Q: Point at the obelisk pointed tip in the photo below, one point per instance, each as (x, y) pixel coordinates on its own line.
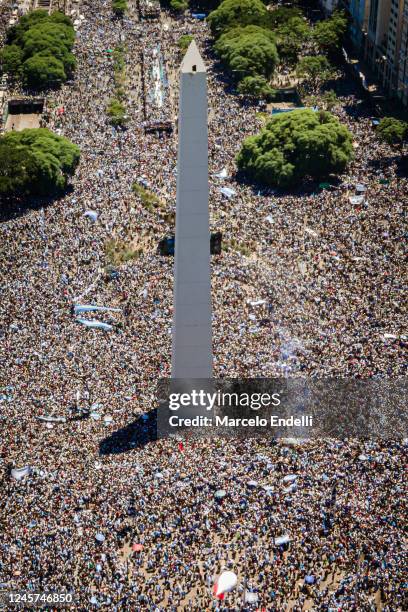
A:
(192, 62)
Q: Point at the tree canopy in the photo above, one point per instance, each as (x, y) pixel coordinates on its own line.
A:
(184, 42)
(295, 145)
(42, 70)
(16, 32)
(314, 67)
(291, 31)
(39, 49)
(392, 131)
(248, 51)
(117, 112)
(231, 13)
(119, 7)
(179, 6)
(11, 60)
(251, 40)
(256, 87)
(329, 33)
(35, 162)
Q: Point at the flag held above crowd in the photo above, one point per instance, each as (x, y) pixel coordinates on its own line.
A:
(225, 583)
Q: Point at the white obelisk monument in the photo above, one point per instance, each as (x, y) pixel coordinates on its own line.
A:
(192, 338)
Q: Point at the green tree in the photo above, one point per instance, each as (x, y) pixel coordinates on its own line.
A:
(294, 145)
(329, 33)
(256, 87)
(119, 7)
(392, 131)
(45, 43)
(41, 71)
(51, 40)
(61, 18)
(232, 13)
(15, 33)
(179, 6)
(58, 37)
(329, 100)
(184, 42)
(248, 51)
(315, 68)
(289, 50)
(19, 169)
(290, 38)
(281, 15)
(117, 112)
(11, 59)
(35, 162)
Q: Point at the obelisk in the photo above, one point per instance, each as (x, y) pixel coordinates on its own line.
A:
(191, 333)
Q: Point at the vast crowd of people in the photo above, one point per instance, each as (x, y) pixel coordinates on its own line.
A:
(308, 283)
